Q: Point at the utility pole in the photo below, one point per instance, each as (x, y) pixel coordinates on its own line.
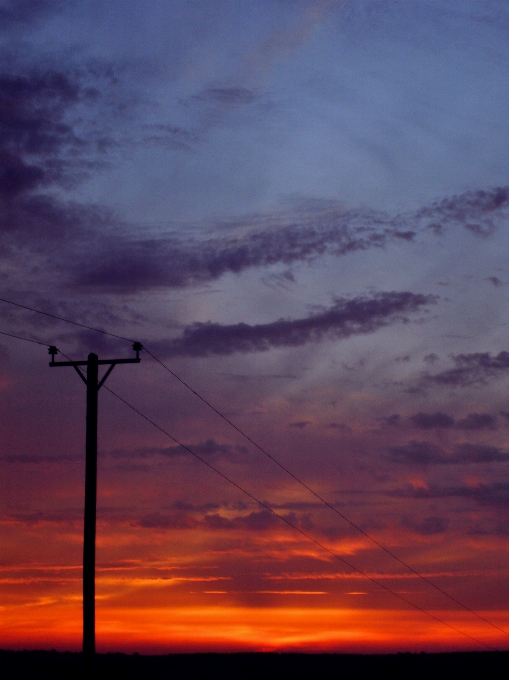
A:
(91, 380)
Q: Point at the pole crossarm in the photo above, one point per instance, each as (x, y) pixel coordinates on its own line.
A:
(100, 362)
(137, 347)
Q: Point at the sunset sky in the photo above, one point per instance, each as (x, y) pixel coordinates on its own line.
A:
(301, 208)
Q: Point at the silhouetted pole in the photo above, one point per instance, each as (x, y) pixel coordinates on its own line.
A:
(93, 386)
(90, 508)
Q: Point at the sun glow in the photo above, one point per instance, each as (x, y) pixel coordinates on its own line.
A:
(218, 628)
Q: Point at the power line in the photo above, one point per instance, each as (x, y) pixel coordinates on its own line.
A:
(61, 318)
(276, 461)
(18, 337)
(284, 519)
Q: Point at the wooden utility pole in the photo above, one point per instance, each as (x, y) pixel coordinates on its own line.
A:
(91, 380)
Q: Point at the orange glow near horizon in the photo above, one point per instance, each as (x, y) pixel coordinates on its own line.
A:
(50, 625)
(137, 615)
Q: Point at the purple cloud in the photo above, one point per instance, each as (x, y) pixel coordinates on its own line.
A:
(476, 453)
(345, 318)
(311, 229)
(470, 369)
(439, 420)
(392, 421)
(226, 96)
(207, 448)
(39, 146)
(300, 424)
(13, 12)
(416, 453)
(473, 209)
(495, 281)
(477, 421)
(428, 421)
(495, 494)
(426, 453)
(171, 262)
(429, 526)
(262, 520)
(40, 151)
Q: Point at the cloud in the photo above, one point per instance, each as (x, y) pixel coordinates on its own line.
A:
(439, 420)
(474, 210)
(416, 453)
(495, 281)
(282, 238)
(476, 453)
(345, 318)
(174, 520)
(41, 152)
(428, 421)
(15, 12)
(262, 520)
(212, 107)
(426, 453)
(285, 38)
(172, 136)
(470, 369)
(24, 458)
(429, 526)
(309, 230)
(490, 495)
(65, 516)
(477, 421)
(207, 448)
(226, 97)
(339, 426)
(39, 144)
(392, 421)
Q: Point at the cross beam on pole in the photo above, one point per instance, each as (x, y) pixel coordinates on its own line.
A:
(91, 380)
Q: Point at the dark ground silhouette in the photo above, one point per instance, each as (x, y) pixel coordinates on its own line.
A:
(56, 665)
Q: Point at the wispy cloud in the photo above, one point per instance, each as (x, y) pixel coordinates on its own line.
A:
(207, 448)
(470, 369)
(226, 97)
(495, 494)
(309, 230)
(427, 453)
(429, 526)
(23, 12)
(473, 209)
(41, 150)
(345, 318)
(428, 421)
(262, 520)
(440, 420)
